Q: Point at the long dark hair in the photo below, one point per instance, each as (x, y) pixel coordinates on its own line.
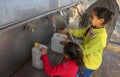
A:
(74, 53)
(102, 12)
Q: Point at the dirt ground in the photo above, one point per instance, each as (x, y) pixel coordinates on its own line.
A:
(110, 66)
(114, 48)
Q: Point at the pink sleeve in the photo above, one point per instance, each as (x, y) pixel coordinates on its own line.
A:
(53, 70)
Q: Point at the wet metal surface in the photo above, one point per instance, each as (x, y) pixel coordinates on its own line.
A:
(12, 11)
(16, 44)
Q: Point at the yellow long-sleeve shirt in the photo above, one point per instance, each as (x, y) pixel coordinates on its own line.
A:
(94, 41)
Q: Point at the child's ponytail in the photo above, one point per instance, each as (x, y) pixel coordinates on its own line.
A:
(79, 58)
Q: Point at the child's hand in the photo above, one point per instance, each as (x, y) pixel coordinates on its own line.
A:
(63, 31)
(64, 42)
(67, 40)
(43, 50)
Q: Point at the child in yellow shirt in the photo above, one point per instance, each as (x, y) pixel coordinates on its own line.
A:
(94, 40)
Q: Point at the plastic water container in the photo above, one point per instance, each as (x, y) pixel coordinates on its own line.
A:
(36, 54)
(55, 42)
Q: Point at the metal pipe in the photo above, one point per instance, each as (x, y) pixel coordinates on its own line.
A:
(73, 40)
(19, 23)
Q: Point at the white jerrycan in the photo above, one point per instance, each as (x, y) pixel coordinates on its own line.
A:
(36, 54)
(55, 42)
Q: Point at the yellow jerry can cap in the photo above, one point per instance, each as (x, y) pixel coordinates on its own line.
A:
(36, 44)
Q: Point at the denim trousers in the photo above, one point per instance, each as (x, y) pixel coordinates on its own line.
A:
(84, 72)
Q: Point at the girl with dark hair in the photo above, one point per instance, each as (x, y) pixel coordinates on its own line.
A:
(94, 39)
(69, 67)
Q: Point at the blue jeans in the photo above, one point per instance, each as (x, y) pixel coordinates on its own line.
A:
(86, 72)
